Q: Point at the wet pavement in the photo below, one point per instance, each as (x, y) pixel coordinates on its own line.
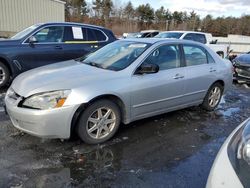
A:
(175, 150)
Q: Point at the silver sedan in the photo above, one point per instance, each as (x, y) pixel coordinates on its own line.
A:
(124, 81)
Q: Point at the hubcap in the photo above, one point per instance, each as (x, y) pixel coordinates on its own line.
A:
(214, 96)
(101, 123)
(2, 75)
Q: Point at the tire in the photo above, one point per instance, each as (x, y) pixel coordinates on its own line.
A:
(4, 75)
(217, 90)
(99, 122)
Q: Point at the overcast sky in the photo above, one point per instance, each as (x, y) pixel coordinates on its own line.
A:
(216, 8)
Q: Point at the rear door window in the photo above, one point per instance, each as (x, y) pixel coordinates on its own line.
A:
(195, 55)
(74, 34)
(201, 38)
(196, 37)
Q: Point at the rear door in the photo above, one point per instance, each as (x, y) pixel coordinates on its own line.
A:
(200, 72)
(80, 41)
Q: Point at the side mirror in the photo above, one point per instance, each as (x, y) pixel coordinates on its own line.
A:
(32, 40)
(147, 69)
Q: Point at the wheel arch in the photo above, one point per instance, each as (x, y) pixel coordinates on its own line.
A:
(220, 82)
(7, 64)
(117, 100)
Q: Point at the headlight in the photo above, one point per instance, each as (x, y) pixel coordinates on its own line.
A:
(49, 100)
(244, 145)
(239, 152)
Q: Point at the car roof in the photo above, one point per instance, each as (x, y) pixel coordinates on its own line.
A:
(184, 32)
(71, 24)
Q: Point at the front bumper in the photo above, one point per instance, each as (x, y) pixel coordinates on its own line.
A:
(53, 123)
(241, 79)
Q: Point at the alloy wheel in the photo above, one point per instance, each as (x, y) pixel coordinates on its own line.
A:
(2, 75)
(214, 96)
(101, 123)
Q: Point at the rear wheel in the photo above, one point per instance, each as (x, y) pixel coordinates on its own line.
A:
(4, 74)
(213, 97)
(99, 122)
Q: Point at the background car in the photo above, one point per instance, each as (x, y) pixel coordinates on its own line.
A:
(231, 168)
(242, 68)
(204, 38)
(124, 81)
(43, 44)
(142, 34)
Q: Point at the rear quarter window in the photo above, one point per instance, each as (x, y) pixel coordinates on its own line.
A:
(99, 35)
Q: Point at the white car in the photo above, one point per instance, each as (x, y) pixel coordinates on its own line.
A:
(231, 168)
(204, 38)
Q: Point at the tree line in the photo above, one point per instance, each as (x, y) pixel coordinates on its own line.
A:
(128, 18)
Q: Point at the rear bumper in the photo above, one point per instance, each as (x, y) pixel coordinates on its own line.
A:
(54, 123)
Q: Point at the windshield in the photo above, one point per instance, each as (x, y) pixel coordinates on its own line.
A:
(116, 56)
(24, 32)
(174, 35)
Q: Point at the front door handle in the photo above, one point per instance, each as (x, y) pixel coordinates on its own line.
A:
(178, 76)
(58, 48)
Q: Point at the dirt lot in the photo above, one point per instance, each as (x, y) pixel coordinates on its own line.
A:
(172, 150)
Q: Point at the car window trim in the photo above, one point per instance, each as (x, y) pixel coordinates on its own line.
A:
(60, 25)
(162, 44)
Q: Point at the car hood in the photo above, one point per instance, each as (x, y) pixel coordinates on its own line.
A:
(8, 42)
(59, 76)
(243, 60)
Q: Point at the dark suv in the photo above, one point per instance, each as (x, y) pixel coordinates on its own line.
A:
(43, 44)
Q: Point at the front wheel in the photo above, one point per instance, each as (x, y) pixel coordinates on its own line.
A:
(99, 122)
(4, 75)
(213, 97)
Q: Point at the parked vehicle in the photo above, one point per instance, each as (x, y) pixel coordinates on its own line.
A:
(142, 34)
(132, 35)
(242, 68)
(43, 44)
(231, 168)
(127, 80)
(204, 38)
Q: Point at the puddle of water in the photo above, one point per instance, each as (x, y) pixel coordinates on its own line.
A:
(230, 111)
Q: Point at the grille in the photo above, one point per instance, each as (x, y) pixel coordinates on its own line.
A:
(243, 72)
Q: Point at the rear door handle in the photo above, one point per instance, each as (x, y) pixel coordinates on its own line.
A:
(58, 48)
(94, 46)
(178, 76)
(212, 70)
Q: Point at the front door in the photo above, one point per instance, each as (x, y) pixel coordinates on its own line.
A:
(155, 93)
(48, 48)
